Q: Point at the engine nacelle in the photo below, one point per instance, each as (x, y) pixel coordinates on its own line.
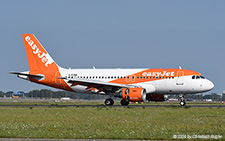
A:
(133, 94)
(155, 97)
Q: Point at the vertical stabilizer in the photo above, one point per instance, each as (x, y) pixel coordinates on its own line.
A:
(38, 58)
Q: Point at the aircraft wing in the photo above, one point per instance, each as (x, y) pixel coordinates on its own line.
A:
(99, 85)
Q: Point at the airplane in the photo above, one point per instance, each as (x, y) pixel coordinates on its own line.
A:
(131, 85)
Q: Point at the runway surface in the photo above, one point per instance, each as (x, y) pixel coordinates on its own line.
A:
(135, 106)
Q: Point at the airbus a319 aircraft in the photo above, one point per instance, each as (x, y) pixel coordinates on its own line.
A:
(131, 85)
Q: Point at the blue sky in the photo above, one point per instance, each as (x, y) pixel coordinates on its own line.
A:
(115, 34)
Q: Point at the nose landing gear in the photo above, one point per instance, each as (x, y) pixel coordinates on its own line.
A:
(182, 100)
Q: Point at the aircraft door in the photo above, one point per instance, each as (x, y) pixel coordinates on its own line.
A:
(180, 78)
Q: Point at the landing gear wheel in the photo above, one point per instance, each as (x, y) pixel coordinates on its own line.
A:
(124, 102)
(109, 102)
(182, 103)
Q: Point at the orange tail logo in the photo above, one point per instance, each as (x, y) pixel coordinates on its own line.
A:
(40, 62)
(38, 58)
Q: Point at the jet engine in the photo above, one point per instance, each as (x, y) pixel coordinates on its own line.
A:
(133, 94)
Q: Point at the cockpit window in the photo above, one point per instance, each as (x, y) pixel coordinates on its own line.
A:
(202, 77)
(198, 77)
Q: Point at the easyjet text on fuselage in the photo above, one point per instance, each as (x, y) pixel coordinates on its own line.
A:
(163, 73)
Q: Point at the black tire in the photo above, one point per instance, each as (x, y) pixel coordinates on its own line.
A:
(182, 103)
(112, 102)
(124, 102)
(109, 102)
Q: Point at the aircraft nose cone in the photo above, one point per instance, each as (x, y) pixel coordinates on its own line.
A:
(210, 85)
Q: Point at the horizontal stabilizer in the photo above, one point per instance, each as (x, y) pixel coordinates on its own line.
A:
(36, 76)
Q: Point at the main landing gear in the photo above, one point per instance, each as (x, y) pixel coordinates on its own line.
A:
(182, 100)
(124, 102)
(109, 102)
